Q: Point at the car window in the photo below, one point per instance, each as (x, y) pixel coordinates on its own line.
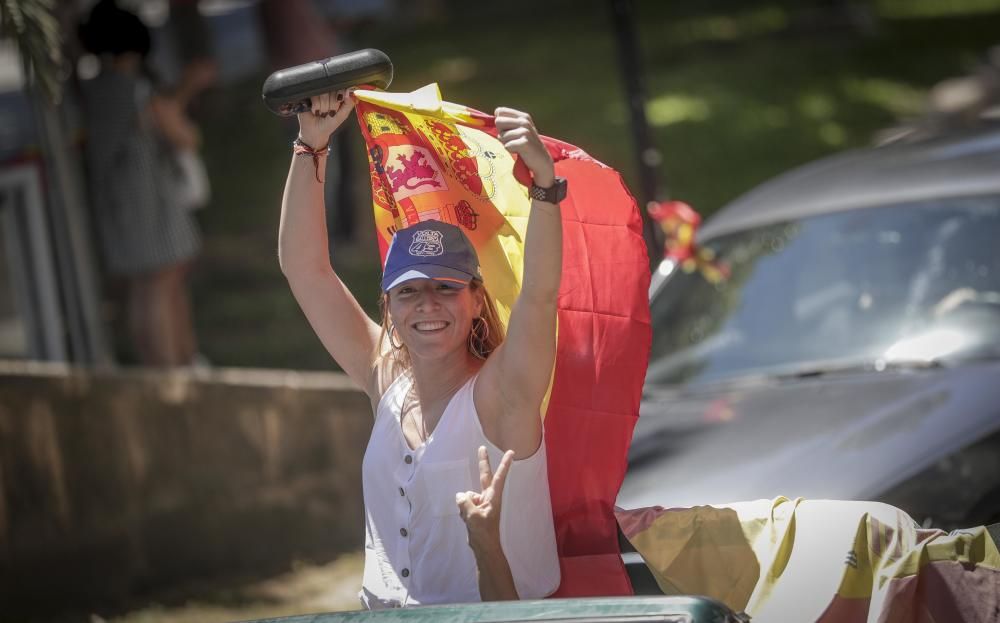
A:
(918, 281)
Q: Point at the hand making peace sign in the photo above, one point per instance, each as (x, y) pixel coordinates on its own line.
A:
(481, 511)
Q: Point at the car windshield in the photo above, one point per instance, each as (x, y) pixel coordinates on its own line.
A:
(907, 283)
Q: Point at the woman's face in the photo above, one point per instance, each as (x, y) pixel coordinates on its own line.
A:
(433, 318)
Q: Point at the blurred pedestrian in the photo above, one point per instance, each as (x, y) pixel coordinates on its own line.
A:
(147, 236)
(192, 41)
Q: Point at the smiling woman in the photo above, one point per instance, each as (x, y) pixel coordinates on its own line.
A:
(485, 333)
(453, 395)
(408, 284)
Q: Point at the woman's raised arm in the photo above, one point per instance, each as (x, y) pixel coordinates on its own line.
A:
(349, 335)
(515, 378)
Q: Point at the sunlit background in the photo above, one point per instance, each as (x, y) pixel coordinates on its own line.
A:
(737, 91)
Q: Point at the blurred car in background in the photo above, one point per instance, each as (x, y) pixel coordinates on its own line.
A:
(843, 343)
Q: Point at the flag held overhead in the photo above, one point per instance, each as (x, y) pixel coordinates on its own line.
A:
(432, 159)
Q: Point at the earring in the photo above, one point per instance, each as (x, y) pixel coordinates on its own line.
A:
(477, 342)
(391, 332)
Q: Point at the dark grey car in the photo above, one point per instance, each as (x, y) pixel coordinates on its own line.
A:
(853, 352)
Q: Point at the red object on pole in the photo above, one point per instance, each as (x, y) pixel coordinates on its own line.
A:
(679, 223)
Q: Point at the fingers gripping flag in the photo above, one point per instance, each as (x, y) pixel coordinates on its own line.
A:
(431, 159)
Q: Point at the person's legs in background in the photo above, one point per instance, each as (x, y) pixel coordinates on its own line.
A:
(185, 346)
(159, 317)
(140, 328)
(149, 318)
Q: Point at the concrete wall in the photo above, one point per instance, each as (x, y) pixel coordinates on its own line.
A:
(117, 483)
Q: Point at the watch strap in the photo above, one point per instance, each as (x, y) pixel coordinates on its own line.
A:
(553, 194)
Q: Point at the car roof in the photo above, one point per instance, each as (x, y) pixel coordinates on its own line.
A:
(965, 163)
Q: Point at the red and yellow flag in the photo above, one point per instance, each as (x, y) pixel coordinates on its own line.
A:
(823, 561)
(431, 159)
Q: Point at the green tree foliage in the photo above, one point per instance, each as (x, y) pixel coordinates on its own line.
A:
(33, 26)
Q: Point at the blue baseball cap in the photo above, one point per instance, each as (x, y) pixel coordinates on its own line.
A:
(430, 250)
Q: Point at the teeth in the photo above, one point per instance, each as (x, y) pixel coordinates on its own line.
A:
(431, 326)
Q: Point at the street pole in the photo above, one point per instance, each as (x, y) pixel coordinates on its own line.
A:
(79, 277)
(79, 285)
(648, 156)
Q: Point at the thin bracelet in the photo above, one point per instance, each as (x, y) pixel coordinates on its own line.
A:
(300, 148)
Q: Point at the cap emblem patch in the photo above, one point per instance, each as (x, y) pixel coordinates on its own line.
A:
(427, 243)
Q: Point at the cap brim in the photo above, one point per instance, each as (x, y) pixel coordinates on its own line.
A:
(451, 276)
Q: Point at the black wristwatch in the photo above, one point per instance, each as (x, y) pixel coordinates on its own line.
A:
(553, 194)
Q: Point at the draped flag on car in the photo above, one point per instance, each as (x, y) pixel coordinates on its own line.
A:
(431, 159)
(827, 561)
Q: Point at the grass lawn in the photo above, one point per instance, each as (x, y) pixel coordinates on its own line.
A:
(738, 92)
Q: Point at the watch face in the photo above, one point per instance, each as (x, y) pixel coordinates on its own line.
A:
(560, 188)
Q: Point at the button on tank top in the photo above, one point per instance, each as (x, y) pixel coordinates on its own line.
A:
(416, 545)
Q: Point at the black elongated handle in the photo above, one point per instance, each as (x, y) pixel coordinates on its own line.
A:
(287, 91)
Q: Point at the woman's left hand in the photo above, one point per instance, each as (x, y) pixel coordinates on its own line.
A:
(517, 132)
(481, 511)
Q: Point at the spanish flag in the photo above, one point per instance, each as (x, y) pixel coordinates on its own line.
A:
(828, 561)
(431, 159)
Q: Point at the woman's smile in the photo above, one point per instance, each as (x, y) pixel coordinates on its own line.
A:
(430, 326)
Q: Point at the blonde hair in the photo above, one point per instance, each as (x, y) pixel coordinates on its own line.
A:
(485, 337)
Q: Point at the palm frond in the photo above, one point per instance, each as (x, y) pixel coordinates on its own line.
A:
(33, 26)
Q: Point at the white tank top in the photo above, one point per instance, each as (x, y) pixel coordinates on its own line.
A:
(416, 545)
